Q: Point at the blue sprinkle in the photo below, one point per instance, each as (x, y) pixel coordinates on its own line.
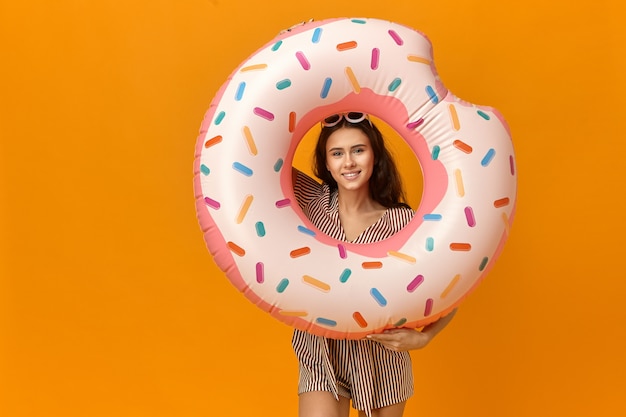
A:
(205, 169)
(220, 117)
(260, 229)
(432, 217)
(432, 95)
(317, 33)
(278, 165)
(488, 157)
(430, 244)
(281, 85)
(282, 285)
(240, 90)
(483, 264)
(326, 322)
(276, 46)
(483, 114)
(359, 21)
(306, 231)
(242, 168)
(345, 275)
(435, 154)
(378, 297)
(395, 84)
(326, 87)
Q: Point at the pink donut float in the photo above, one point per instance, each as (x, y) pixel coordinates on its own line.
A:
(272, 253)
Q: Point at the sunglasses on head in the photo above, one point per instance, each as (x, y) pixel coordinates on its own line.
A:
(352, 117)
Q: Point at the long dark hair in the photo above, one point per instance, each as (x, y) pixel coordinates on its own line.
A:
(385, 184)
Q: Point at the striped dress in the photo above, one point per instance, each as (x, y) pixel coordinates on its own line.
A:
(363, 370)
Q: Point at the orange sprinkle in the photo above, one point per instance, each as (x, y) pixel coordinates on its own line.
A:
(247, 134)
(213, 141)
(300, 252)
(402, 256)
(451, 285)
(320, 285)
(358, 317)
(244, 208)
(254, 67)
(292, 121)
(293, 313)
(462, 146)
(456, 125)
(352, 78)
(372, 265)
(237, 250)
(501, 202)
(460, 246)
(419, 59)
(346, 45)
(507, 224)
(460, 188)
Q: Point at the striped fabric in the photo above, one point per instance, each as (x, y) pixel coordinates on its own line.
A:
(363, 370)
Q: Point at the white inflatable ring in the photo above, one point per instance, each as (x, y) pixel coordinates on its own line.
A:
(272, 253)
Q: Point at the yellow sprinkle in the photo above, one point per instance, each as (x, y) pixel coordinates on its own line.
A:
(402, 256)
(460, 188)
(455, 117)
(322, 286)
(415, 58)
(451, 285)
(293, 313)
(249, 140)
(254, 67)
(507, 224)
(244, 208)
(352, 78)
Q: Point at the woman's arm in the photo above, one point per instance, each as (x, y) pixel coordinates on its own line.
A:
(409, 339)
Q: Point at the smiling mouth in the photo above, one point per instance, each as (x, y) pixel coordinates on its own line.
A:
(350, 175)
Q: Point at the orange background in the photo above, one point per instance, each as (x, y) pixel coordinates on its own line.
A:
(110, 304)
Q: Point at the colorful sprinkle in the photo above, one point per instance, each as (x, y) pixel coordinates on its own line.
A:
(306, 65)
(394, 84)
(247, 134)
(300, 252)
(236, 249)
(402, 256)
(451, 285)
(435, 152)
(219, 118)
(205, 169)
(282, 285)
(400, 322)
(358, 21)
(343, 253)
(501, 202)
(278, 165)
(458, 177)
(276, 46)
(212, 203)
(263, 113)
(282, 84)
(326, 322)
(483, 114)
(378, 297)
(432, 217)
(240, 89)
(305, 230)
(358, 317)
(353, 81)
(260, 273)
(432, 94)
(413, 125)
(343, 278)
(316, 283)
(372, 265)
(416, 282)
(326, 87)
(418, 59)
(213, 141)
(462, 146)
(260, 229)
(483, 264)
(507, 223)
(469, 216)
(375, 58)
(430, 244)
(317, 34)
(346, 46)
(239, 167)
(512, 164)
(285, 202)
(292, 121)
(247, 201)
(488, 157)
(428, 308)
(396, 38)
(460, 247)
(293, 313)
(254, 67)
(456, 125)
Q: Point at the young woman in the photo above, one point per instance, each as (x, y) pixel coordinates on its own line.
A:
(360, 200)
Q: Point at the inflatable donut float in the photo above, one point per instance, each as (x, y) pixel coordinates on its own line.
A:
(271, 252)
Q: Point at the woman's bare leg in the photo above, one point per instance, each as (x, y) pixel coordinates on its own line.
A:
(395, 410)
(322, 404)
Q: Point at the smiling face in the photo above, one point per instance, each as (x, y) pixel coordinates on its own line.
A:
(350, 159)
